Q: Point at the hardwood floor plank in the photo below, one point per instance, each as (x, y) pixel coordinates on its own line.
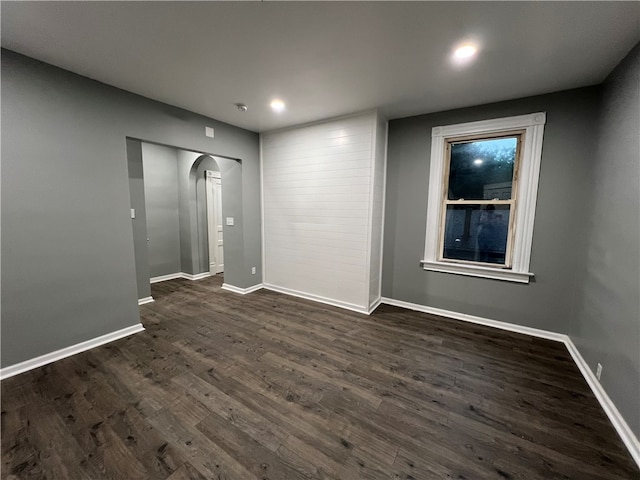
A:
(267, 386)
(207, 457)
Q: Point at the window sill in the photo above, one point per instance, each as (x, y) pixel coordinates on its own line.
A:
(477, 271)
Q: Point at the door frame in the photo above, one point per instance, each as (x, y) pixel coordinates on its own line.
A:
(215, 266)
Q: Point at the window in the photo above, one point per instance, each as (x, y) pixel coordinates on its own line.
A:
(482, 196)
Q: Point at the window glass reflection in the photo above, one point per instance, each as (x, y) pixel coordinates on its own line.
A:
(482, 170)
(476, 233)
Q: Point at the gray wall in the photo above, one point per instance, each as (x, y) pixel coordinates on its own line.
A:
(139, 224)
(68, 271)
(176, 211)
(559, 240)
(207, 163)
(161, 198)
(193, 222)
(608, 326)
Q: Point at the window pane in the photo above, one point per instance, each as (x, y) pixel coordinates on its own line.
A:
(476, 233)
(482, 170)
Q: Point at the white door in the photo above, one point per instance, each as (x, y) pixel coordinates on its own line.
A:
(214, 222)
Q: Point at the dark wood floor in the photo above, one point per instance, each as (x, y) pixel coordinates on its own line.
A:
(266, 386)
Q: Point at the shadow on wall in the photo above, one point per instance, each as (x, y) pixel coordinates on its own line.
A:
(168, 195)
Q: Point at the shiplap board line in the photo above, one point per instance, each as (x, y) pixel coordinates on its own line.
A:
(310, 167)
(321, 243)
(335, 131)
(338, 198)
(56, 355)
(319, 148)
(332, 156)
(358, 171)
(335, 189)
(306, 156)
(337, 123)
(356, 182)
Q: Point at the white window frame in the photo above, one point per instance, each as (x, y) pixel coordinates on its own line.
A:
(526, 195)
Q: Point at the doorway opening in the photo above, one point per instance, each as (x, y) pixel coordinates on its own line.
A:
(181, 214)
(215, 222)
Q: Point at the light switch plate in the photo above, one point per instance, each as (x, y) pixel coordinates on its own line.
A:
(230, 221)
(133, 213)
(208, 131)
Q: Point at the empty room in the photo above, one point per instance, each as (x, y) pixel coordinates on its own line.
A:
(320, 240)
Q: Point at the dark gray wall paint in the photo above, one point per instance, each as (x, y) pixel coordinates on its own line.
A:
(232, 175)
(161, 195)
(139, 224)
(186, 209)
(68, 272)
(608, 326)
(559, 233)
(176, 207)
(193, 224)
(207, 163)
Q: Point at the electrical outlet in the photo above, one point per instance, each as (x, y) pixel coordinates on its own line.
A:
(599, 371)
(253, 270)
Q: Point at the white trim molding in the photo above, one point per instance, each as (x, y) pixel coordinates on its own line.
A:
(527, 192)
(375, 304)
(317, 298)
(511, 327)
(477, 271)
(164, 278)
(242, 291)
(68, 351)
(145, 300)
(197, 276)
(622, 427)
(173, 276)
(617, 420)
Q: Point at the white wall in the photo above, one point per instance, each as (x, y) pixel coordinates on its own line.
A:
(318, 192)
(377, 210)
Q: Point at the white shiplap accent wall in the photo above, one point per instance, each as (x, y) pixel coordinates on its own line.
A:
(377, 210)
(318, 187)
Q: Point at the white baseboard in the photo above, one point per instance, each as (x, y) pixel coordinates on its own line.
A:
(241, 291)
(197, 276)
(164, 278)
(512, 327)
(186, 276)
(142, 301)
(375, 304)
(622, 427)
(68, 351)
(317, 298)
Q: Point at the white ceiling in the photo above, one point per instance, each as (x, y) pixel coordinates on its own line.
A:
(325, 58)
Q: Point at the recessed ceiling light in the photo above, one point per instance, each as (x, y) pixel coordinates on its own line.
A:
(464, 52)
(477, 161)
(277, 105)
